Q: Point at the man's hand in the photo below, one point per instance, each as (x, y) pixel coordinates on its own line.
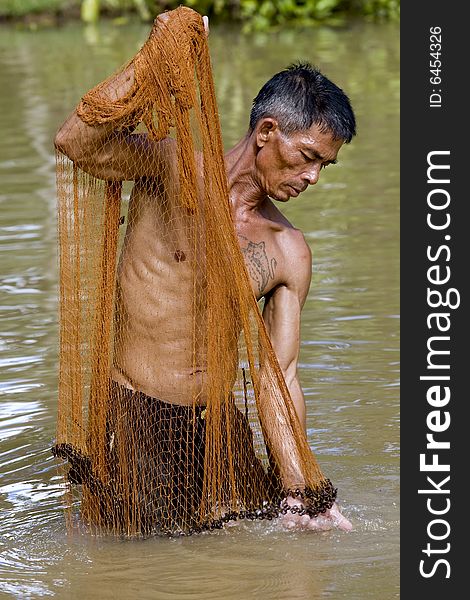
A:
(164, 17)
(331, 519)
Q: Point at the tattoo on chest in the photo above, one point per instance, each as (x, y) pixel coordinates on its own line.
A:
(260, 267)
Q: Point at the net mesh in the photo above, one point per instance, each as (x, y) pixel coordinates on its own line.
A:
(173, 413)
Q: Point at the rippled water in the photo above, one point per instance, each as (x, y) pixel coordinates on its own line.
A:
(350, 331)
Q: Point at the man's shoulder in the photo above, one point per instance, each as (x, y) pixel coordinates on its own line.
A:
(282, 224)
(290, 240)
(293, 244)
(295, 256)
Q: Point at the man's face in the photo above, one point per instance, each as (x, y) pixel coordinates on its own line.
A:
(286, 164)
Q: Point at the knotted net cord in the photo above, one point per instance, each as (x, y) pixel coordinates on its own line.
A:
(146, 459)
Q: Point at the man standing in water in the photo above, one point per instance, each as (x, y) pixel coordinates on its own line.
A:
(298, 123)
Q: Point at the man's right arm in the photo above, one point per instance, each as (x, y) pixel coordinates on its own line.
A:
(111, 153)
(103, 150)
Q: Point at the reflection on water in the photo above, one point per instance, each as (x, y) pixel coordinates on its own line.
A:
(349, 364)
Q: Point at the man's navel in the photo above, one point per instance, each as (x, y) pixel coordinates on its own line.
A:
(180, 256)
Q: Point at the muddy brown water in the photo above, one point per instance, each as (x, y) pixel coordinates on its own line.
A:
(349, 363)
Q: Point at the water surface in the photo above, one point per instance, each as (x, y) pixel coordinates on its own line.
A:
(349, 364)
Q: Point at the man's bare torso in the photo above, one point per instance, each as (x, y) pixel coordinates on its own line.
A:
(155, 290)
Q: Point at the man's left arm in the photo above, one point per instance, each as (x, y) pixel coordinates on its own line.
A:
(281, 313)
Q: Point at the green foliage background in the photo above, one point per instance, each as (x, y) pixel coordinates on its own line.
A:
(254, 14)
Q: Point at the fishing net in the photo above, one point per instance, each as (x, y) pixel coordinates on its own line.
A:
(173, 413)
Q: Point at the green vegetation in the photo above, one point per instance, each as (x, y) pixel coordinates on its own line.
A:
(22, 8)
(254, 14)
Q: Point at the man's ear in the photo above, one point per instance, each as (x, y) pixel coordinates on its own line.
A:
(265, 129)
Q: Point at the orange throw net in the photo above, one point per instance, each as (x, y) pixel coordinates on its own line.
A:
(173, 412)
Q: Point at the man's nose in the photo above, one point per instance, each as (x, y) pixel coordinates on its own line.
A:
(312, 175)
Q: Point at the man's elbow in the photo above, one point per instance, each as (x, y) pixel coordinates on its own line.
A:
(64, 143)
(83, 154)
(73, 140)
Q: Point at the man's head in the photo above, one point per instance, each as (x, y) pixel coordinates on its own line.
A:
(299, 97)
(300, 120)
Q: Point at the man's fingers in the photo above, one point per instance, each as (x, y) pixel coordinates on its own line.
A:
(339, 520)
(330, 520)
(343, 523)
(304, 521)
(163, 17)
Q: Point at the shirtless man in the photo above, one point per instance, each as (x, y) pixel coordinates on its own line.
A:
(298, 123)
